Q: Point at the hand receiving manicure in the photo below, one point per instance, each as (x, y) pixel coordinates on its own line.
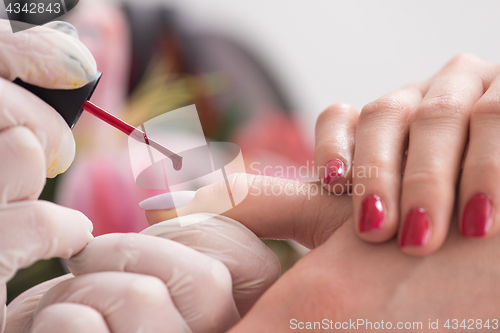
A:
(421, 131)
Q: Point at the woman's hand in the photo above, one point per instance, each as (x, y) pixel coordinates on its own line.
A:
(346, 281)
(427, 132)
(343, 278)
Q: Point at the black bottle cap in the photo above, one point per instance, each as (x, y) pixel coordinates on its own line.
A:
(68, 103)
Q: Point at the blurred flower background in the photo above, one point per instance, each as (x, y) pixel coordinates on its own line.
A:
(259, 73)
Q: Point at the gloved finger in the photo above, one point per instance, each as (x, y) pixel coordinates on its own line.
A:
(21, 309)
(30, 231)
(69, 318)
(3, 310)
(199, 285)
(64, 27)
(274, 208)
(231, 243)
(22, 174)
(45, 57)
(335, 132)
(25, 109)
(128, 302)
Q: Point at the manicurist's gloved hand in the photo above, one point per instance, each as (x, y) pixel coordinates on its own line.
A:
(35, 142)
(123, 283)
(149, 283)
(155, 284)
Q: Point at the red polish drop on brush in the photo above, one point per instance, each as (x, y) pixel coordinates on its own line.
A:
(71, 103)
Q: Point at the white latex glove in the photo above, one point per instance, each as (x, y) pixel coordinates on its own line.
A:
(167, 287)
(253, 266)
(35, 142)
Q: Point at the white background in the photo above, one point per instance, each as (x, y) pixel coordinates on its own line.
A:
(328, 51)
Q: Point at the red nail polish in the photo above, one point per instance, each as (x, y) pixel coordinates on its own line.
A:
(372, 213)
(334, 169)
(478, 216)
(415, 228)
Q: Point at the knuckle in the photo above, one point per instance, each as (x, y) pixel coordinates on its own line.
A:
(372, 165)
(441, 107)
(422, 178)
(24, 164)
(124, 243)
(25, 141)
(414, 85)
(41, 214)
(464, 59)
(385, 107)
(326, 146)
(334, 111)
(87, 318)
(218, 275)
(486, 106)
(146, 289)
(482, 162)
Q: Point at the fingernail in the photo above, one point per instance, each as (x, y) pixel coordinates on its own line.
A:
(63, 153)
(63, 27)
(90, 225)
(415, 228)
(334, 169)
(168, 200)
(478, 216)
(372, 213)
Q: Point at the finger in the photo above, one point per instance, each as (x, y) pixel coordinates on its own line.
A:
(31, 231)
(128, 302)
(335, 132)
(438, 135)
(63, 27)
(479, 195)
(274, 208)
(22, 172)
(69, 318)
(21, 309)
(45, 57)
(381, 139)
(3, 309)
(231, 243)
(199, 285)
(25, 109)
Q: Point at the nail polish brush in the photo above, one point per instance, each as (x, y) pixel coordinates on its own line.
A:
(71, 103)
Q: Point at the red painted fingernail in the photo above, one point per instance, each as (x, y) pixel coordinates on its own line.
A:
(372, 213)
(334, 169)
(415, 228)
(478, 216)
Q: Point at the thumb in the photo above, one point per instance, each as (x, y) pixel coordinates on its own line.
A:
(46, 56)
(274, 208)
